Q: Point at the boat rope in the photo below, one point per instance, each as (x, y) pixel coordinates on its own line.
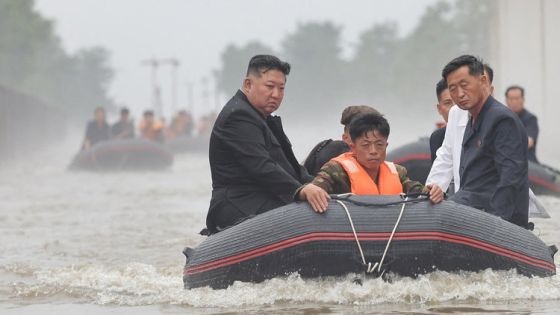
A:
(405, 198)
(372, 267)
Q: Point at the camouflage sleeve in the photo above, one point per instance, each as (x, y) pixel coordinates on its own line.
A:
(332, 178)
(409, 185)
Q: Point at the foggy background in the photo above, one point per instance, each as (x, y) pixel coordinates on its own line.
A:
(66, 57)
(110, 242)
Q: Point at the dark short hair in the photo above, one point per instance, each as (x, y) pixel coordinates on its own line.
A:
(260, 64)
(515, 87)
(351, 111)
(475, 64)
(440, 87)
(364, 123)
(124, 110)
(149, 113)
(489, 71)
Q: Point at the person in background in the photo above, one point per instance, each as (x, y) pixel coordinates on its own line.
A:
(206, 123)
(325, 150)
(363, 170)
(493, 164)
(515, 100)
(97, 130)
(253, 166)
(150, 128)
(443, 106)
(124, 128)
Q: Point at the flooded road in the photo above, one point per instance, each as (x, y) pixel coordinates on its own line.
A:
(80, 242)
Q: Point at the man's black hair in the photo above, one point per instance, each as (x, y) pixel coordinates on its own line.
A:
(515, 87)
(489, 72)
(476, 65)
(440, 87)
(364, 123)
(149, 113)
(260, 64)
(124, 110)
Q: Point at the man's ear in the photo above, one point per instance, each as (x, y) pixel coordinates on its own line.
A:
(484, 79)
(345, 138)
(247, 83)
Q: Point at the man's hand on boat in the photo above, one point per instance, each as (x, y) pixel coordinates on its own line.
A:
(316, 196)
(436, 194)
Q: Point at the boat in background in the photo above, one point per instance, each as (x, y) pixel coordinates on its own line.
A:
(123, 154)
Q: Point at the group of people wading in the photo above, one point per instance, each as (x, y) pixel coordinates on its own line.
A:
(254, 170)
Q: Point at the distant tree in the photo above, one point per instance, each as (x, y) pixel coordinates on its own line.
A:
(316, 82)
(372, 68)
(422, 55)
(234, 65)
(33, 61)
(385, 70)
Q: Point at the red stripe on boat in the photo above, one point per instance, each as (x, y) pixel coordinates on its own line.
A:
(343, 236)
(415, 156)
(545, 183)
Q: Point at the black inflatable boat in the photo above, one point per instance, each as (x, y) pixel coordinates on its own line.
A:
(293, 238)
(123, 154)
(415, 156)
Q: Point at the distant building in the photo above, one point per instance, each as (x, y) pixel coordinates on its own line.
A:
(526, 45)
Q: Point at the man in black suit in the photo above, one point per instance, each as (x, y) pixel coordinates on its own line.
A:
(253, 166)
(515, 100)
(493, 167)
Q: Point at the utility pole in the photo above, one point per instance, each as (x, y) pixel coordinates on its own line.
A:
(205, 93)
(174, 63)
(190, 97)
(157, 105)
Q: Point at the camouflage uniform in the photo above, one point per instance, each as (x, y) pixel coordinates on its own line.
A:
(334, 180)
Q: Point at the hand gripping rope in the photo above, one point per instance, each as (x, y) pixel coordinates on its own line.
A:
(378, 265)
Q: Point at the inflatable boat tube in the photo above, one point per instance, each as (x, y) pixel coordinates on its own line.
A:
(294, 239)
(415, 156)
(123, 154)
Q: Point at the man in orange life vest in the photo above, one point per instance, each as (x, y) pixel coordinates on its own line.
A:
(363, 170)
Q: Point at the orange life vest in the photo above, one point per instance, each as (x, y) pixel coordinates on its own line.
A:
(363, 184)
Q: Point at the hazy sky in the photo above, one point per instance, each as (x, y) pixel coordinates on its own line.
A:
(196, 32)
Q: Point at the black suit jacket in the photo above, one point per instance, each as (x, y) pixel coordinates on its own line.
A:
(253, 166)
(436, 140)
(494, 167)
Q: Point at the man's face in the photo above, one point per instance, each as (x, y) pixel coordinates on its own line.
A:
(467, 91)
(149, 119)
(100, 116)
(370, 150)
(515, 100)
(266, 92)
(444, 104)
(124, 116)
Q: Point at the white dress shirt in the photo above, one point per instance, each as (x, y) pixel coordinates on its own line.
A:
(448, 156)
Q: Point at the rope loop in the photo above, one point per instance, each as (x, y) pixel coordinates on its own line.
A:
(376, 267)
